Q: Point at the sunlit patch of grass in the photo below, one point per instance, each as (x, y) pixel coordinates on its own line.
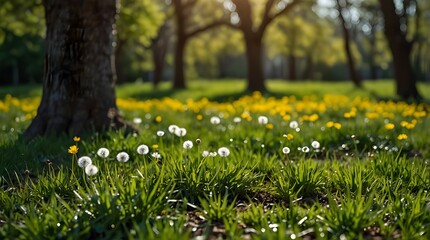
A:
(260, 167)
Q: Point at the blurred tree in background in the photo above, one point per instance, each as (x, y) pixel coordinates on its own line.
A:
(22, 27)
(399, 18)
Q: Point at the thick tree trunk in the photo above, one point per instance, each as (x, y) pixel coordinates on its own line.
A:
(159, 50)
(400, 49)
(309, 65)
(373, 68)
(405, 78)
(354, 75)
(158, 57)
(179, 78)
(181, 18)
(78, 84)
(119, 58)
(15, 73)
(254, 59)
(292, 67)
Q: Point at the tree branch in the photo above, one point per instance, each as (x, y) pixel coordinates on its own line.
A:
(267, 19)
(189, 3)
(417, 23)
(209, 26)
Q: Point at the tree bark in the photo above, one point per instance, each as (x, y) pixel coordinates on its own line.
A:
(292, 67)
(254, 59)
(308, 70)
(179, 78)
(159, 50)
(181, 19)
(119, 61)
(78, 84)
(400, 49)
(355, 77)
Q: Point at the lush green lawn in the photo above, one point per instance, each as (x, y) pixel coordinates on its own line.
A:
(331, 163)
(219, 89)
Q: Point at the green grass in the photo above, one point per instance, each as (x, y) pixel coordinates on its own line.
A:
(222, 89)
(362, 183)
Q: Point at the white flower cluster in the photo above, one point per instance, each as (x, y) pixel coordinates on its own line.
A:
(86, 163)
(178, 131)
(223, 152)
(305, 149)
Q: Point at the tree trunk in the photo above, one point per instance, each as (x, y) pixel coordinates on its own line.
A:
(255, 72)
(15, 73)
(179, 78)
(119, 58)
(355, 77)
(308, 70)
(400, 49)
(373, 68)
(159, 50)
(78, 84)
(292, 67)
(181, 40)
(405, 78)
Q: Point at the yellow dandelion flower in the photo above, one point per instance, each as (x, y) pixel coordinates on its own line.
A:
(76, 139)
(404, 123)
(199, 117)
(410, 126)
(313, 117)
(73, 149)
(155, 146)
(269, 126)
(286, 118)
(245, 115)
(158, 119)
(347, 115)
(402, 137)
(389, 126)
(329, 124)
(372, 115)
(289, 136)
(337, 126)
(420, 114)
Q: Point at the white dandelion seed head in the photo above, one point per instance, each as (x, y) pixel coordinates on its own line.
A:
(160, 133)
(205, 153)
(103, 152)
(315, 144)
(263, 120)
(294, 124)
(237, 120)
(212, 154)
(91, 170)
(286, 150)
(305, 149)
(187, 144)
(122, 157)
(172, 128)
(180, 132)
(137, 120)
(84, 161)
(215, 120)
(143, 149)
(223, 152)
(156, 155)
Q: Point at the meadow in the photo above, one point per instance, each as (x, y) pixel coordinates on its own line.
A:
(306, 160)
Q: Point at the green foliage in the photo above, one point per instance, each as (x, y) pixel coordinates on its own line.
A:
(354, 191)
(217, 208)
(350, 215)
